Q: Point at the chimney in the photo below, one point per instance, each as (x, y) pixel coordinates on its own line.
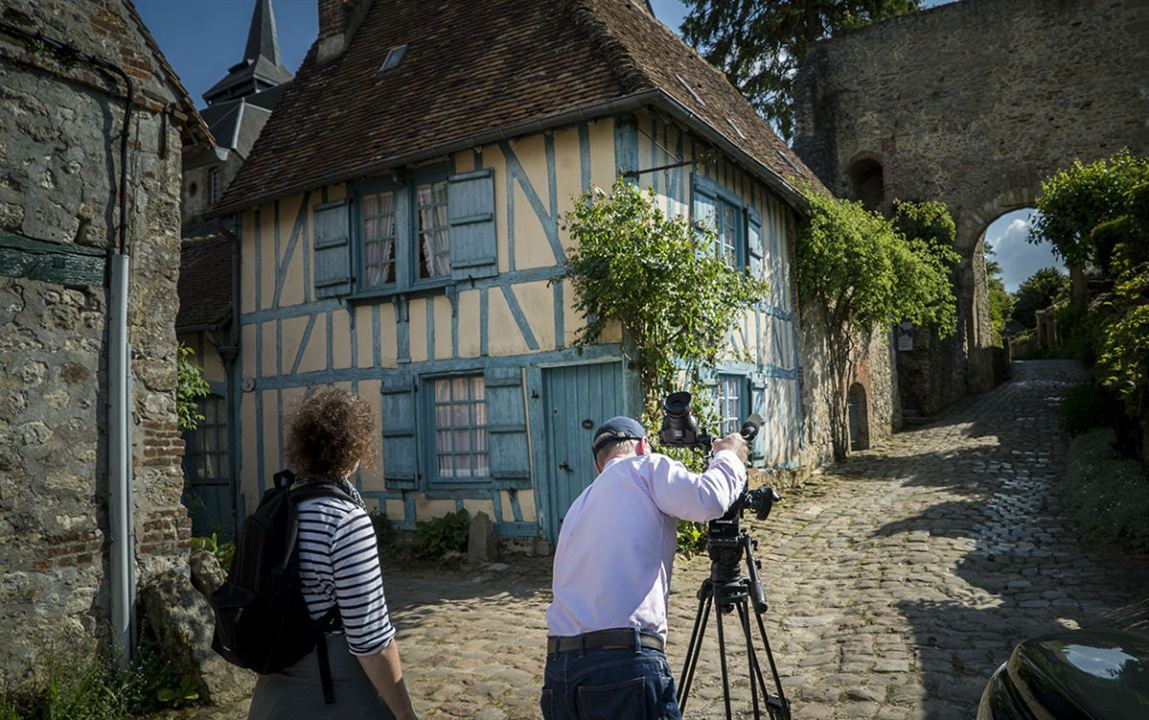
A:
(338, 20)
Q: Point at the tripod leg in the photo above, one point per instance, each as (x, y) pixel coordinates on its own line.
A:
(779, 710)
(705, 599)
(722, 659)
(755, 671)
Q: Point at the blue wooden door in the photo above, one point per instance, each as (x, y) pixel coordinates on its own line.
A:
(578, 399)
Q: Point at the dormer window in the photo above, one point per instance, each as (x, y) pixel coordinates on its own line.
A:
(394, 57)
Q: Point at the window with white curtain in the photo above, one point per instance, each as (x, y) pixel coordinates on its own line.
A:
(460, 431)
(432, 239)
(378, 238)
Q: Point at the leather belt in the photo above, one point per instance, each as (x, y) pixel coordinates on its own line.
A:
(616, 639)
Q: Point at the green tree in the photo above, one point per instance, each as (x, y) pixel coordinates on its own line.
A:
(1076, 200)
(858, 272)
(1037, 292)
(759, 44)
(659, 279)
(190, 387)
(1000, 301)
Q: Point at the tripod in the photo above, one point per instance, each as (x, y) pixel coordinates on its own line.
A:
(727, 589)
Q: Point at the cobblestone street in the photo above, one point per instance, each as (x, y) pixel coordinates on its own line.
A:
(897, 583)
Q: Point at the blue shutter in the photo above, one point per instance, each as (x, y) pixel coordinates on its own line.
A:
(332, 250)
(400, 451)
(754, 242)
(509, 453)
(471, 213)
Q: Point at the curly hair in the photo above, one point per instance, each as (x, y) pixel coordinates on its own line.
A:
(330, 432)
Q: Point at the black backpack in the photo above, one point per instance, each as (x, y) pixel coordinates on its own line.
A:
(261, 618)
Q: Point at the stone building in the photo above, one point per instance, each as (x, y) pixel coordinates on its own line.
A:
(93, 122)
(971, 103)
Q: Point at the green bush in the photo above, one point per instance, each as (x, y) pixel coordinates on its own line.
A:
(1081, 333)
(691, 538)
(1108, 496)
(75, 681)
(1089, 406)
(223, 552)
(435, 538)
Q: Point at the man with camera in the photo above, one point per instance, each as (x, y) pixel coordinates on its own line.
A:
(612, 567)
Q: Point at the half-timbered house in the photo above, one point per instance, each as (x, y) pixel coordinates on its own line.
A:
(401, 234)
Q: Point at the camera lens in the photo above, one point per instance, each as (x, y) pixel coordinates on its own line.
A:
(676, 404)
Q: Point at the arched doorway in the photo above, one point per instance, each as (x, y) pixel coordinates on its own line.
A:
(1020, 276)
(867, 182)
(857, 410)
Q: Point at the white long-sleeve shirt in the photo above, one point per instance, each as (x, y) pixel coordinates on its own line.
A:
(616, 548)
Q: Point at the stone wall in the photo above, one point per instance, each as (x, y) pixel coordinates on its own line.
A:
(972, 103)
(60, 126)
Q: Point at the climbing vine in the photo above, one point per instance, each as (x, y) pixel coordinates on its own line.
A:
(659, 279)
(858, 271)
(190, 387)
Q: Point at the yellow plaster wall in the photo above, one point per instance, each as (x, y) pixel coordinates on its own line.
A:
(315, 354)
(469, 338)
(388, 349)
(537, 301)
(268, 348)
(503, 335)
(568, 167)
(341, 339)
(474, 506)
(393, 509)
(463, 162)
(247, 268)
(364, 334)
(248, 336)
(267, 256)
(371, 475)
(442, 310)
(271, 424)
(417, 330)
(527, 506)
(602, 164)
(532, 250)
(293, 281)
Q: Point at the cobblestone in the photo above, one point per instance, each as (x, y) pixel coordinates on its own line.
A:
(897, 581)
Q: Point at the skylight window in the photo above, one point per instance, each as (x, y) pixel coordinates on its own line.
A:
(736, 128)
(690, 90)
(394, 57)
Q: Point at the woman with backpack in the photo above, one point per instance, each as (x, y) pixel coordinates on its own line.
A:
(329, 436)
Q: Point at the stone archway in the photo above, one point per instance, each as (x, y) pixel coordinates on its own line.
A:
(949, 116)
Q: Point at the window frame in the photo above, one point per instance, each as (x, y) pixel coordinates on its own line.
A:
(432, 480)
(703, 187)
(719, 400)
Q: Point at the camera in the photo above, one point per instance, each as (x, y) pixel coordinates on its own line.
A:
(680, 429)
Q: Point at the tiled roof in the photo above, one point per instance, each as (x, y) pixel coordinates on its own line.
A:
(476, 68)
(205, 280)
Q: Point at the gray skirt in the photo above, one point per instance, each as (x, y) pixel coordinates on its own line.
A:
(296, 692)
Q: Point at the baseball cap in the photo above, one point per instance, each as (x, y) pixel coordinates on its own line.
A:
(615, 429)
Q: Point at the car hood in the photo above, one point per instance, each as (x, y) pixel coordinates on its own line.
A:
(1083, 674)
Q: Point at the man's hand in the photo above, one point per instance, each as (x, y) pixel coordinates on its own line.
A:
(733, 442)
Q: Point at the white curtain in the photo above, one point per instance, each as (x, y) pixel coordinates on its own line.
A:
(435, 254)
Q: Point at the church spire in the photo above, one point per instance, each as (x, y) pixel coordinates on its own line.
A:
(261, 67)
(262, 40)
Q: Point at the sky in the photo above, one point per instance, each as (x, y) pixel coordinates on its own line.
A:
(203, 38)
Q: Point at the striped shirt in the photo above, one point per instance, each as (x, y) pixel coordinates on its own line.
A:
(339, 563)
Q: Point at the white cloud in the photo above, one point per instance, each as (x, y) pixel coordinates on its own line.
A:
(1018, 258)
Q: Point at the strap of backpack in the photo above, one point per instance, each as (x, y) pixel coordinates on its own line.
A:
(330, 621)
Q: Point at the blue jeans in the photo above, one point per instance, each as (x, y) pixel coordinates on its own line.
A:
(623, 684)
